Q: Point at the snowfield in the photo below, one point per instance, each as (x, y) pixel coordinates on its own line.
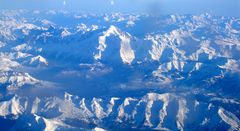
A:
(76, 71)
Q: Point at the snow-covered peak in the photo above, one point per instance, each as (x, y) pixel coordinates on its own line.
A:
(152, 110)
(39, 60)
(6, 64)
(178, 72)
(65, 33)
(47, 22)
(22, 47)
(126, 52)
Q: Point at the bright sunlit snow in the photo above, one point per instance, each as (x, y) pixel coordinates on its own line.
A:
(104, 65)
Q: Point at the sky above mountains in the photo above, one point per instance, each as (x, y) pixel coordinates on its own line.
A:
(219, 7)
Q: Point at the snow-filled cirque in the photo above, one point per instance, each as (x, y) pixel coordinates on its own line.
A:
(63, 70)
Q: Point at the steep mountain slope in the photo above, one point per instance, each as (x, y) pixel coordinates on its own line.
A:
(168, 111)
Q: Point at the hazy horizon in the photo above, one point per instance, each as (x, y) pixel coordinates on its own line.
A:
(218, 7)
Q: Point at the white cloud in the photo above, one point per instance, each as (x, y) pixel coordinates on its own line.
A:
(112, 2)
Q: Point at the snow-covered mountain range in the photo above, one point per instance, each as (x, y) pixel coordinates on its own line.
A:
(80, 71)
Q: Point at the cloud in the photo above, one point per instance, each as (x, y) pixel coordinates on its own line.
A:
(112, 2)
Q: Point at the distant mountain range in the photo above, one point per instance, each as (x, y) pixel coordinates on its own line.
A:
(81, 71)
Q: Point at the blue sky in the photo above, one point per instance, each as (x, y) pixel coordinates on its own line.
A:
(220, 7)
